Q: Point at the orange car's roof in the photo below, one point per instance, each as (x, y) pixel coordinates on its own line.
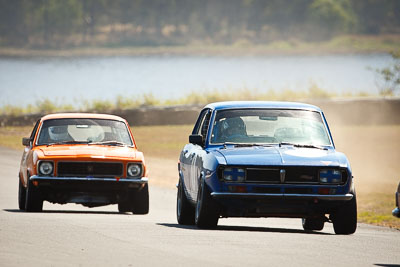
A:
(81, 116)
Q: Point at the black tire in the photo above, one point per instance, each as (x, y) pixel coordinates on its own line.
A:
(206, 213)
(141, 201)
(344, 219)
(124, 207)
(184, 210)
(34, 200)
(313, 224)
(21, 195)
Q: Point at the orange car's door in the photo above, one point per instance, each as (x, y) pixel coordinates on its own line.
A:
(26, 154)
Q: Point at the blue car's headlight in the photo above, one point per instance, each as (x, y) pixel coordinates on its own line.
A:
(233, 174)
(330, 176)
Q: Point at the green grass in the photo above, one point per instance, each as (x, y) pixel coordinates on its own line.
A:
(192, 98)
(11, 137)
(162, 141)
(338, 44)
(376, 208)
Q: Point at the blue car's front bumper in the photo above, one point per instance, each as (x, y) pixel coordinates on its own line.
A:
(278, 205)
(265, 196)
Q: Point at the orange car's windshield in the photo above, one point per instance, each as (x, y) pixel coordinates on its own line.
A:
(83, 130)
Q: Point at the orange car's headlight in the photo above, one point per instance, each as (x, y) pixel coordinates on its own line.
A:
(134, 170)
(46, 168)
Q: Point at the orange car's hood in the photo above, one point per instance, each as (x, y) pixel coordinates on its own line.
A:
(93, 151)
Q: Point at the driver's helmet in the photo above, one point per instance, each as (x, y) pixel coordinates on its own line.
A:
(59, 133)
(233, 127)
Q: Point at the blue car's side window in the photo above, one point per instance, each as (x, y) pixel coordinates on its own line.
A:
(202, 124)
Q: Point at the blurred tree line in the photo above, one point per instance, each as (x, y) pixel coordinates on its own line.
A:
(66, 23)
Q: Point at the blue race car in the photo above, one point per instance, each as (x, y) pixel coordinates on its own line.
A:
(396, 211)
(265, 159)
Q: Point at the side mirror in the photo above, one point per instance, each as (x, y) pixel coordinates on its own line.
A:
(196, 139)
(26, 141)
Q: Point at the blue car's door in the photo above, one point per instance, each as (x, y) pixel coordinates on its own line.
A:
(197, 152)
(185, 166)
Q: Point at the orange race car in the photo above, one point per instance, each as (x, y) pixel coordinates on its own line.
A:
(88, 159)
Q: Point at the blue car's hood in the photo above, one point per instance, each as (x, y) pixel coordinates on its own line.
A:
(279, 156)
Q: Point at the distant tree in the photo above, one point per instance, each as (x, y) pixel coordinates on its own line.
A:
(61, 23)
(377, 16)
(389, 78)
(12, 16)
(332, 16)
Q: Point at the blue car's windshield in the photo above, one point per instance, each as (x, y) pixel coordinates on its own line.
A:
(269, 126)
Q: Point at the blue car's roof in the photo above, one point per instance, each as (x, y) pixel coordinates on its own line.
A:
(261, 104)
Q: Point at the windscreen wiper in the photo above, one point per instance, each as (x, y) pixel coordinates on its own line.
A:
(300, 145)
(108, 143)
(246, 145)
(67, 142)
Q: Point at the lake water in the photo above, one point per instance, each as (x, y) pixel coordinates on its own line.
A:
(72, 80)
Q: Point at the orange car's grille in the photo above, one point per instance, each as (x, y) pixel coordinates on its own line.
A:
(89, 169)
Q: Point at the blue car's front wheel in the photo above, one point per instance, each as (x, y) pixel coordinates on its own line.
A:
(206, 215)
(345, 218)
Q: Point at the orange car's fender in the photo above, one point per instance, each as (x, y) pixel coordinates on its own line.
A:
(140, 157)
(31, 163)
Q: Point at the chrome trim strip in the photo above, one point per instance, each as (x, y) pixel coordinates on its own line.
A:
(142, 180)
(289, 196)
(396, 212)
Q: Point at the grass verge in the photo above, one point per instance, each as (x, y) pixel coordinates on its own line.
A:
(339, 44)
(193, 98)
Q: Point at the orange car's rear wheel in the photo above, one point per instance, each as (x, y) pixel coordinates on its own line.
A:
(21, 196)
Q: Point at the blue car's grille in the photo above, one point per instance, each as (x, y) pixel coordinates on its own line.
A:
(284, 174)
(301, 175)
(263, 175)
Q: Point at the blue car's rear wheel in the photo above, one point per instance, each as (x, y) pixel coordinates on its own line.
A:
(313, 224)
(184, 209)
(206, 215)
(124, 207)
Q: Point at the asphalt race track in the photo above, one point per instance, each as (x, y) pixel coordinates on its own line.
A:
(72, 235)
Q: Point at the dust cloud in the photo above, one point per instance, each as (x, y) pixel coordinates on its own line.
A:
(373, 149)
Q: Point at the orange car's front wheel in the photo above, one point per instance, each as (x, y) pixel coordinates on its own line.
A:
(34, 200)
